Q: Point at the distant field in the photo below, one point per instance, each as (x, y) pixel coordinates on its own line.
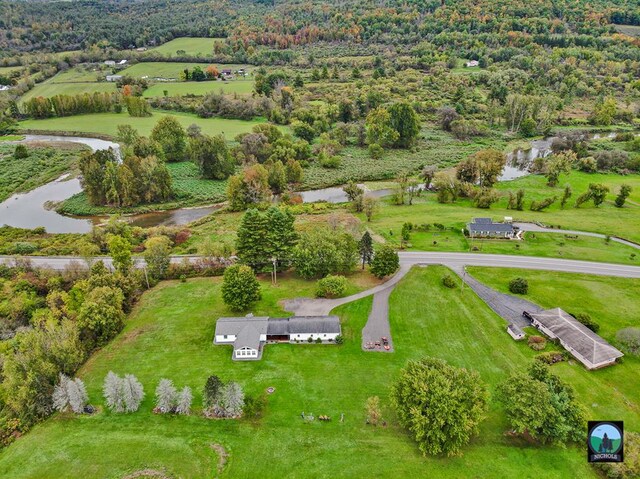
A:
(191, 46)
(52, 89)
(169, 69)
(631, 30)
(199, 88)
(80, 75)
(7, 70)
(106, 123)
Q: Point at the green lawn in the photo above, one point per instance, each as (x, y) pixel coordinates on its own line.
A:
(107, 123)
(172, 69)
(193, 46)
(169, 335)
(8, 70)
(199, 88)
(52, 89)
(613, 303)
(607, 219)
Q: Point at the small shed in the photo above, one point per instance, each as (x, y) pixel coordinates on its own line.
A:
(114, 77)
(472, 63)
(515, 332)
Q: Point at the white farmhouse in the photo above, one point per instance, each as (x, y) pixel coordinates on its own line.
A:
(248, 335)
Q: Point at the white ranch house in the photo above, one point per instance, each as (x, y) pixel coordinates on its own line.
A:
(487, 228)
(585, 345)
(249, 334)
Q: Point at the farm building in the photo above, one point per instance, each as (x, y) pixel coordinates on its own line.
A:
(110, 63)
(487, 228)
(472, 63)
(114, 77)
(249, 334)
(585, 345)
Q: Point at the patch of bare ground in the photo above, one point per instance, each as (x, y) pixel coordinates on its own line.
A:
(147, 473)
(223, 455)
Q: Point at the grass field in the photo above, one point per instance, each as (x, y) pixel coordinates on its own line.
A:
(170, 333)
(607, 219)
(107, 123)
(41, 166)
(612, 303)
(172, 69)
(8, 70)
(193, 46)
(199, 88)
(48, 90)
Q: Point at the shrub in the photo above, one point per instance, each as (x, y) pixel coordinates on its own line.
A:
(385, 262)
(331, 286)
(240, 288)
(21, 152)
(448, 281)
(23, 248)
(551, 357)
(629, 338)
(339, 339)
(329, 161)
(585, 319)
(537, 343)
(519, 286)
(254, 406)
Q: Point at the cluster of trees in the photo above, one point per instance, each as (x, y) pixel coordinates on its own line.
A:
(198, 74)
(397, 126)
(171, 401)
(68, 316)
(66, 105)
(538, 405)
(108, 181)
(223, 400)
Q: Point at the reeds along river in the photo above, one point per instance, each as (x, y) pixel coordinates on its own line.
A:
(29, 210)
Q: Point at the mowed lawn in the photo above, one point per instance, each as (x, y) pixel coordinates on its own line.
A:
(107, 123)
(170, 335)
(199, 88)
(606, 219)
(611, 302)
(173, 69)
(193, 46)
(48, 90)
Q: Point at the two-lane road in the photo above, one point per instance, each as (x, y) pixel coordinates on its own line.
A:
(453, 260)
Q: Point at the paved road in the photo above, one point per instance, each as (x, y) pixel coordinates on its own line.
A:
(534, 228)
(452, 260)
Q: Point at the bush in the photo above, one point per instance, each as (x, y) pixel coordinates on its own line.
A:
(439, 426)
(537, 343)
(21, 152)
(519, 286)
(585, 319)
(329, 161)
(629, 338)
(23, 248)
(240, 288)
(448, 281)
(254, 406)
(551, 357)
(339, 339)
(331, 286)
(385, 262)
(630, 468)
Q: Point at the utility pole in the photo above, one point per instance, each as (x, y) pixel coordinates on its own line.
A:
(274, 279)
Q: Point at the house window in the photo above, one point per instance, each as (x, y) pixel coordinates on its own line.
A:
(225, 336)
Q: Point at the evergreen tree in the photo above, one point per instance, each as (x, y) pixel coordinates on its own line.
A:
(166, 396)
(113, 390)
(406, 122)
(183, 405)
(365, 247)
(132, 393)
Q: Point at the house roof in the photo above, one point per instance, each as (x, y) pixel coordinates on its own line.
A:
(248, 337)
(227, 326)
(577, 336)
(515, 329)
(304, 325)
(487, 224)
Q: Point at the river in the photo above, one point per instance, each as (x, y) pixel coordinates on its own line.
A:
(29, 210)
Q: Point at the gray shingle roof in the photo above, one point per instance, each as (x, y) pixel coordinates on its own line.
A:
(304, 325)
(235, 325)
(576, 335)
(248, 337)
(487, 224)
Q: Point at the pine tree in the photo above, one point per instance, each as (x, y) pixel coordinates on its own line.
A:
(184, 401)
(212, 391)
(114, 392)
(232, 400)
(166, 396)
(70, 394)
(365, 247)
(132, 393)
